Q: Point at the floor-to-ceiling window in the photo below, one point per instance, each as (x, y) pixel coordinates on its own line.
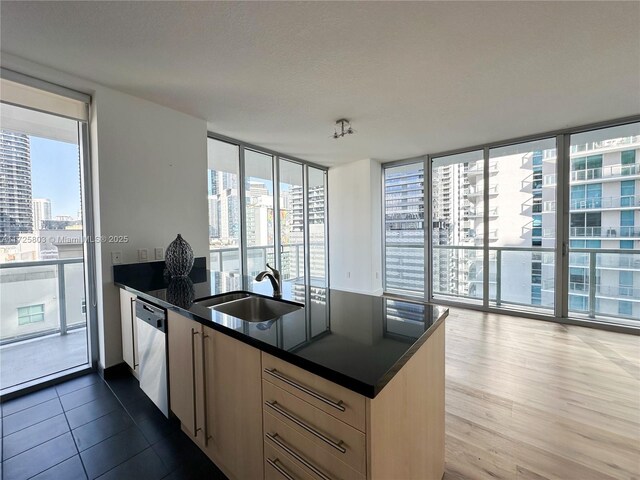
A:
(404, 220)
(291, 200)
(264, 208)
(521, 242)
(44, 217)
(458, 212)
(604, 242)
(259, 211)
(224, 205)
(506, 234)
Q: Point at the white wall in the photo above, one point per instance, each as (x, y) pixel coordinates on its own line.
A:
(355, 243)
(149, 180)
(152, 176)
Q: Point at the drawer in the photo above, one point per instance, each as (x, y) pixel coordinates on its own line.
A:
(279, 466)
(304, 453)
(326, 432)
(333, 399)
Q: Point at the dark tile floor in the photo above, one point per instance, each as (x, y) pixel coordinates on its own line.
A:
(89, 428)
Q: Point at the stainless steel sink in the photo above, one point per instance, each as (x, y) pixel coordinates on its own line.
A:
(224, 298)
(256, 309)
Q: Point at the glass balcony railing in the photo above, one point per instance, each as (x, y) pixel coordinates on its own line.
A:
(602, 173)
(404, 267)
(42, 319)
(599, 203)
(56, 285)
(227, 259)
(620, 231)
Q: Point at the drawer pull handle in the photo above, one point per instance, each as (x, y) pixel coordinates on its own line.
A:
(337, 445)
(282, 471)
(274, 373)
(276, 439)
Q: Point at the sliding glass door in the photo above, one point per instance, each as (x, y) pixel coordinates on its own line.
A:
(44, 301)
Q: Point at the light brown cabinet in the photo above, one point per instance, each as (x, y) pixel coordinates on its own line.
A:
(215, 391)
(257, 416)
(318, 429)
(128, 326)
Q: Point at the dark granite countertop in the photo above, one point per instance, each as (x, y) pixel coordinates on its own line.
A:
(355, 340)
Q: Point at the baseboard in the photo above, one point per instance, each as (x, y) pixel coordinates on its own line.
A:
(113, 371)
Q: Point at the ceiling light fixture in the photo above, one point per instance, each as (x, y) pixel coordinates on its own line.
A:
(342, 128)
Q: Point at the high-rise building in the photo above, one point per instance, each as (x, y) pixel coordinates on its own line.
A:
(41, 211)
(224, 208)
(16, 214)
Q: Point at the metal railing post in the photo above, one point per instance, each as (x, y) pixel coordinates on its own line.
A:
(62, 307)
(498, 276)
(592, 284)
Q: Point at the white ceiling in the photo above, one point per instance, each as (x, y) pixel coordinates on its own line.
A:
(412, 77)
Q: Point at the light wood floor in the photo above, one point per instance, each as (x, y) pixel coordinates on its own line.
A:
(528, 399)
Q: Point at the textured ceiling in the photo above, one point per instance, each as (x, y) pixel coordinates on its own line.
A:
(412, 77)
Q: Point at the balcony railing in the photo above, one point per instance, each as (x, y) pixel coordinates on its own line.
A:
(227, 259)
(610, 171)
(479, 191)
(600, 203)
(460, 274)
(597, 232)
(478, 168)
(57, 285)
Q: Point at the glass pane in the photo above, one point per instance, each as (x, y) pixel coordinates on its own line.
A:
(317, 225)
(522, 232)
(42, 303)
(224, 206)
(259, 211)
(605, 218)
(291, 221)
(404, 228)
(317, 199)
(458, 225)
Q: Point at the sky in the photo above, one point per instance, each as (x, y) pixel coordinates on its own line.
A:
(55, 174)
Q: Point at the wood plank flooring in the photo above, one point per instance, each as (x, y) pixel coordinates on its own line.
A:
(528, 399)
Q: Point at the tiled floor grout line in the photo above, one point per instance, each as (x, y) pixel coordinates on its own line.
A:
(137, 426)
(135, 423)
(72, 437)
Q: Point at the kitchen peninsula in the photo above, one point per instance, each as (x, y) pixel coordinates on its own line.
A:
(322, 392)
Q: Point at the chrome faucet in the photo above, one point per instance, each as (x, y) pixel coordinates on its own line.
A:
(274, 277)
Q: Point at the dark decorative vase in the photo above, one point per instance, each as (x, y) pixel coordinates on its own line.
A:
(181, 292)
(179, 257)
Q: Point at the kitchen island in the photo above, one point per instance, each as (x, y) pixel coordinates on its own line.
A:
(348, 386)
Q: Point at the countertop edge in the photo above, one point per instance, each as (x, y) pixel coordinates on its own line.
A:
(367, 390)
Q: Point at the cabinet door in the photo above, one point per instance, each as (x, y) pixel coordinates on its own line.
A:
(234, 405)
(128, 324)
(183, 336)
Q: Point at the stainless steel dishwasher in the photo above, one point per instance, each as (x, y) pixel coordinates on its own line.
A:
(151, 326)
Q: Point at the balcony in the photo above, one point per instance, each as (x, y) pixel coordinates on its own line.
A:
(601, 233)
(600, 203)
(459, 272)
(37, 346)
(478, 169)
(479, 213)
(610, 172)
(477, 193)
(227, 259)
